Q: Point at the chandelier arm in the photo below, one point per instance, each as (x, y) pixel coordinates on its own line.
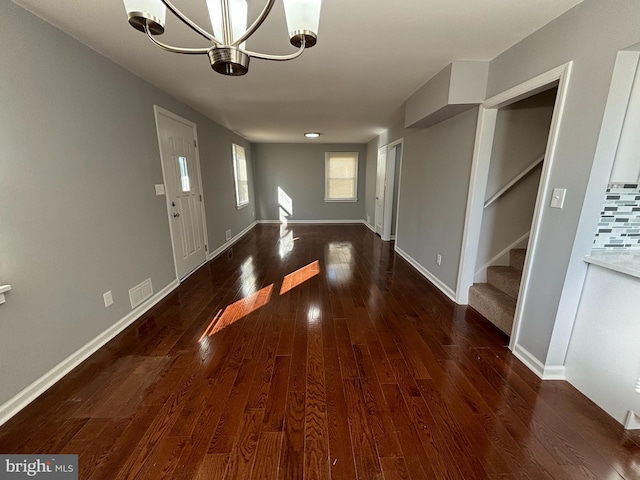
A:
(277, 58)
(193, 26)
(261, 18)
(169, 48)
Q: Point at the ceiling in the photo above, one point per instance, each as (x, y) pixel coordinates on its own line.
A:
(370, 57)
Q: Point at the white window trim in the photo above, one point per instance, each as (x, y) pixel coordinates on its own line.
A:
(239, 204)
(327, 155)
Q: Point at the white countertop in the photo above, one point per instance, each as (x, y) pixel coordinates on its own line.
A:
(627, 261)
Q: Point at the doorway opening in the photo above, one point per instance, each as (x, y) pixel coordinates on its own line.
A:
(507, 195)
(516, 163)
(387, 189)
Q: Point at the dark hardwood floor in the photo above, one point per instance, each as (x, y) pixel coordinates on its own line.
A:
(315, 352)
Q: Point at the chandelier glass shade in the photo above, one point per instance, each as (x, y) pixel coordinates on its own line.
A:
(227, 53)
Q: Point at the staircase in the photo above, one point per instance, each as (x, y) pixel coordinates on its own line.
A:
(496, 299)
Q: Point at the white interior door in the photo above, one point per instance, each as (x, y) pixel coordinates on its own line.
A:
(380, 189)
(389, 191)
(181, 171)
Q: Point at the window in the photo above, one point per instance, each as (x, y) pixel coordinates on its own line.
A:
(341, 177)
(240, 176)
(185, 184)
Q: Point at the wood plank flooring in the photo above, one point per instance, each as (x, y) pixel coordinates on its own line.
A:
(314, 352)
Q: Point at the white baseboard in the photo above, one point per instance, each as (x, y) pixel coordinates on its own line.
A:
(37, 388)
(228, 243)
(427, 274)
(317, 222)
(529, 360)
(548, 372)
(554, 372)
(369, 226)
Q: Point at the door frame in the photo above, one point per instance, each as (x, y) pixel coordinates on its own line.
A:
(381, 149)
(483, 146)
(389, 191)
(388, 204)
(157, 111)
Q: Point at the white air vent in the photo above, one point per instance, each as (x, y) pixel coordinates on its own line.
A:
(140, 293)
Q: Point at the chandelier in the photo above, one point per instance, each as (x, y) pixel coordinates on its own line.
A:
(227, 53)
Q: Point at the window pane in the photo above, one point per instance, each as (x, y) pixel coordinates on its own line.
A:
(185, 184)
(241, 178)
(341, 188)
(341, 176)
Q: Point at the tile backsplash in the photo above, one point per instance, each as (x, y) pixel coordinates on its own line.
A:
(619, 225)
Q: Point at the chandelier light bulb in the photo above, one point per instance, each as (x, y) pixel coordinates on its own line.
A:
(152, 13)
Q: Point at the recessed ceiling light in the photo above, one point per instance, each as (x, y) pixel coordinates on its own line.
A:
(312, 134)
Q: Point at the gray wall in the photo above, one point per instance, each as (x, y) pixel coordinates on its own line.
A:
(436, 165)
(79, 215)
(521, 134)
(218, 184)
(590, 35)
(298, 169)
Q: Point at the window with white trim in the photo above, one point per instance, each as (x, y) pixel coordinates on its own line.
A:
(341, 177)
(240, 177)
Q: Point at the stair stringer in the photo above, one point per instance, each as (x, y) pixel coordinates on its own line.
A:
(502, 258)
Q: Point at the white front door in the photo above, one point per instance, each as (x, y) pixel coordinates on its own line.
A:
(181, 171)
(380, 188)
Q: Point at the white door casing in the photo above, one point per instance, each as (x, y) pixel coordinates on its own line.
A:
(390, 193)
(380, 189)
(183, 186)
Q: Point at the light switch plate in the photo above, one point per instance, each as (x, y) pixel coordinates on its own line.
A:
(159, 189)
(557, 197)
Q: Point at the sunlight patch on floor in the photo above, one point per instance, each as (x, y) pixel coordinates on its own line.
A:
(238, 310)
(300, 276)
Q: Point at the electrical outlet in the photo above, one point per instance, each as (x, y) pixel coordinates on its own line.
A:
(108, 299)
(228, 235)
(439, 259)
